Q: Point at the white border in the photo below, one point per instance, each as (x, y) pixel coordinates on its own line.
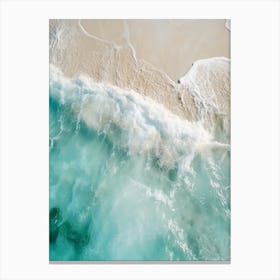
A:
(255, 138)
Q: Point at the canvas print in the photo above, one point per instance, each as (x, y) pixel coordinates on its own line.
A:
(139, 140)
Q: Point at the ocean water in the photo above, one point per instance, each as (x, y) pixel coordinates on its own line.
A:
(129, 180)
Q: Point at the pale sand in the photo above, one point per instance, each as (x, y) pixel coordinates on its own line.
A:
(148, 56)
(170, 45)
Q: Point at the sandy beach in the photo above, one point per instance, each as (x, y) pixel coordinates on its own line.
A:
(147, 56)
(170, 45)
(139, 130)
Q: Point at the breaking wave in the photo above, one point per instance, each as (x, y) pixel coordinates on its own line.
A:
(130, 180)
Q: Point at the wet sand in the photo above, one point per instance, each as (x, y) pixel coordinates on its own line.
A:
(170, 45)
(147, 56)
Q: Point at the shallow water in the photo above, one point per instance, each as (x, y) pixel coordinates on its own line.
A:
(131, 181)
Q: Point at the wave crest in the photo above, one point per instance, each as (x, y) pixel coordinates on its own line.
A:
(132, 121)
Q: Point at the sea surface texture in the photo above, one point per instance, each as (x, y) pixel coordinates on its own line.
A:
(129, 180)
(137, 172)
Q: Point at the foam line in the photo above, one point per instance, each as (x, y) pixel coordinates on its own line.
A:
(147, 126)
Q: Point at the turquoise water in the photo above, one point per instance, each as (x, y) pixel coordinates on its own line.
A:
(131, 181)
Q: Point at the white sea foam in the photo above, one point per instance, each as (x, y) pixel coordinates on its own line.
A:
(146, 126)
(107, 195)
(208, 83)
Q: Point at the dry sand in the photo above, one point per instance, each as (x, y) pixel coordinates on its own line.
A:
(148, 56)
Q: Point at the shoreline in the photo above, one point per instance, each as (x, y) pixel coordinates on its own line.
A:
(169, 45)
(76, 50)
